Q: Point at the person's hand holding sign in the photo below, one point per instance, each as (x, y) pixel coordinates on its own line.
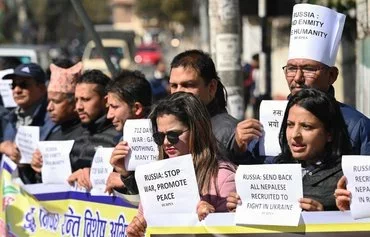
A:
(309, 204)
(36, 162)
(137, 227)
(114, 181)
(203, 209)
(233, 200)
(342, 195)
(10, 149)
(117, 159)
(82, 177)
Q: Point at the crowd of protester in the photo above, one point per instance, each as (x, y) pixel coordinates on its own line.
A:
(91, 108)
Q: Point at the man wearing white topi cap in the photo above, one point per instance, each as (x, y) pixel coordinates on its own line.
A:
(314, 40)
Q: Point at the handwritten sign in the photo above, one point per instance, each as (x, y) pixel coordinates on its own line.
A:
(357, 171)
(139, 135)
(269, 194)
(168, 186)
(100, 170)
(56, 167)
(27, 139)
(7, 94)
(271, 117)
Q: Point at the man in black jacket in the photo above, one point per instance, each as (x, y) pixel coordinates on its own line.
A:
(91, 101)
(194, 71)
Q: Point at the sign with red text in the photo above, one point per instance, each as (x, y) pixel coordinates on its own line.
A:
(269, 194)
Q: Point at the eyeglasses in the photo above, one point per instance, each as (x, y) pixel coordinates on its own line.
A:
(172, 137)
(20, 84)
(308, 71)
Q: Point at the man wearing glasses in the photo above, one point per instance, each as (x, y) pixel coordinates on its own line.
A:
(311, 65)
(29, 93)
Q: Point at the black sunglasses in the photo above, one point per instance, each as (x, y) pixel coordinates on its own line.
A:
(21, 84)
(172, 137)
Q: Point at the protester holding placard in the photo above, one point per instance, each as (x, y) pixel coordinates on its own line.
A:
(29, 93)
(315, 35)
(129, 97)
(194, 71)
(181, 125)
(353, 189)
(313, 134)
(61, 109)
(91, 102)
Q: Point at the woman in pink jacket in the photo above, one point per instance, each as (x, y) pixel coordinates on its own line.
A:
(181, 126)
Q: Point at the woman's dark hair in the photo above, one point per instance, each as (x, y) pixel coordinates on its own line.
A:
(203, 64)
(327, 110)
(189, 110)
(131, 87)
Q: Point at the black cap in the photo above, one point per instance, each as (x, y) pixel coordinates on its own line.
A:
(28, 70)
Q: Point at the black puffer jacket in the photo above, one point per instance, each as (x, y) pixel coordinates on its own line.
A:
(223, 127)
(100, 133)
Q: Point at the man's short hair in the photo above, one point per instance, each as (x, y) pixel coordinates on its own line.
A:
(203, 64)
(95, 77)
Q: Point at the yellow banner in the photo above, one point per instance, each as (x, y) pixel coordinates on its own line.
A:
(59, 213)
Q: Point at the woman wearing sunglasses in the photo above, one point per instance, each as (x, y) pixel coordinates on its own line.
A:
(182, 126)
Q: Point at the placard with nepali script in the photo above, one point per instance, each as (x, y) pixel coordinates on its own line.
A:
(168, 186)
(27, 139)
(269, 194)
(56, 165)
(7, 94)
(357, 171)
(138, 134)
(271, 117)
(100, 170)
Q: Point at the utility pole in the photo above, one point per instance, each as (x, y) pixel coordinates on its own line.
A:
(90, 28)
(265, 55)
(225, 37)
(204, 25)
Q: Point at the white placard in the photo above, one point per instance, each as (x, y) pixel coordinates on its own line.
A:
(315, 33)
(27, 139)
(271, 117)
(7, 94)
(269, 194)
(56, 164)
(168, 186)
(138, 134)
(357, 171)
(100, 170)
